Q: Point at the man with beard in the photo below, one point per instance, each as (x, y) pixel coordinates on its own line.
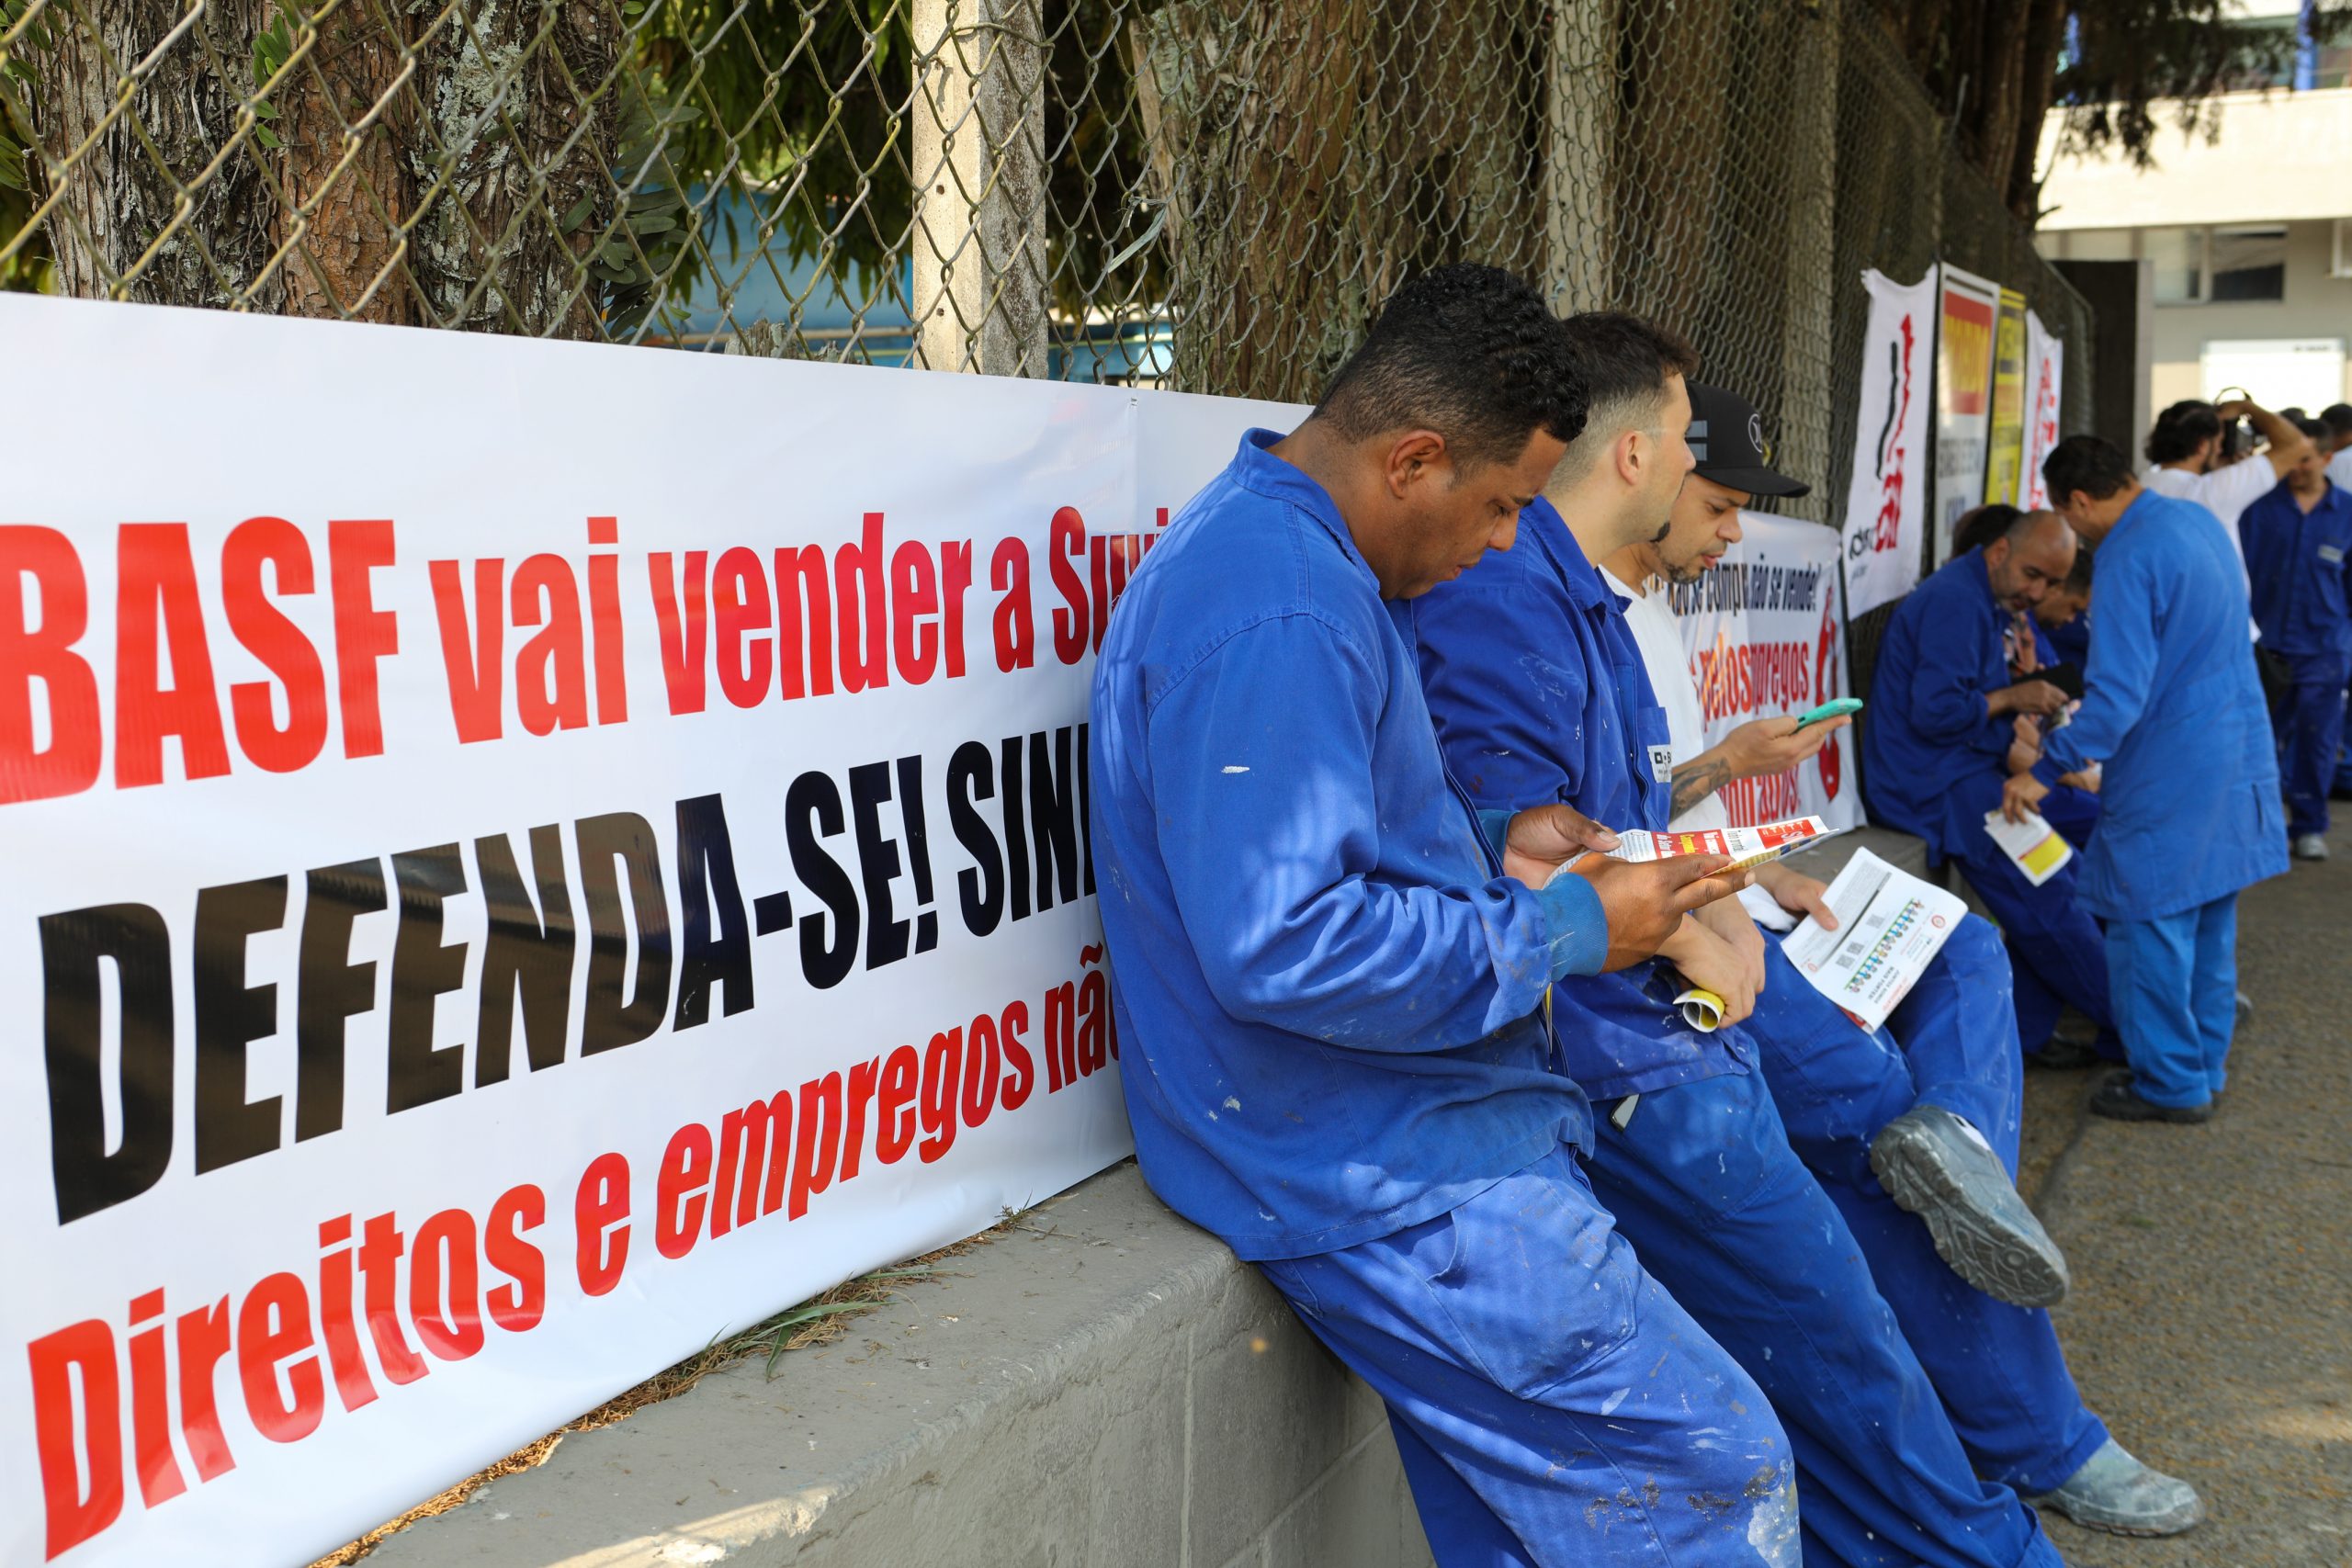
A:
(1898, 1117)
(1944, 738)
(1540, 698)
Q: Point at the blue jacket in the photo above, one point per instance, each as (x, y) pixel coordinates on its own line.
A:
(1328, 994)
(1540, 695)
(2190, 806)
(1932, 751)
(2296, 561)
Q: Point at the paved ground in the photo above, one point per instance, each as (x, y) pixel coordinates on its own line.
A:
(2210, 1320)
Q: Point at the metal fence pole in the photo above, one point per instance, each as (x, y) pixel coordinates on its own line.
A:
(977, 159)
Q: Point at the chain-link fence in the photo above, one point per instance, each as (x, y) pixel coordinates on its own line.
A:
(1206, 194)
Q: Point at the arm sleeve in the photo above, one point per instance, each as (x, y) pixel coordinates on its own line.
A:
(1262, 760)
(1508, 740)
(1946, 701)
(2123, 668)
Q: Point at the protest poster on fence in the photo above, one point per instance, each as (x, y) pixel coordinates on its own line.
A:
(1887, 497)
(2045, 354)
(2005, 447)
(1764, 637)
(1967, 309)
(522, 858)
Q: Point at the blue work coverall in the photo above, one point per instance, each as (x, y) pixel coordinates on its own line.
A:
(1934, 760)
(1336, 1056)
(2189, 804)
(2297, 560)
(1540, 695)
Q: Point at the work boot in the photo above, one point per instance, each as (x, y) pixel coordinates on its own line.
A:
(2310, 846)
(2115, 1492)
(2117, 1099)
(1936, 1166)
(2064, 1055)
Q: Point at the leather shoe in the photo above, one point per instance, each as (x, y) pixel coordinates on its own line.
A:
(2116, 1099)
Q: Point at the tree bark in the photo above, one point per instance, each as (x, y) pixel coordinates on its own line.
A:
(519, 123)
(124, 190)
(2045, 31)
(351, 234)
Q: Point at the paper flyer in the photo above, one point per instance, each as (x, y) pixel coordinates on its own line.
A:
(1748, 846)
(1890, 927)
(2034, 844)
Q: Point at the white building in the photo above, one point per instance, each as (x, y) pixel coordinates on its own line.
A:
(2250, 234)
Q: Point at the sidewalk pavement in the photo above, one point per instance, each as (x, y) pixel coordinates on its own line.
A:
(2210, 1320)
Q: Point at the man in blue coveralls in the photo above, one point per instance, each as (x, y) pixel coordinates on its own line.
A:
(1942, 739)
(1330, 971)
(1879, 1114)
(1540, 698)
(2173, 708)
(2296, 538)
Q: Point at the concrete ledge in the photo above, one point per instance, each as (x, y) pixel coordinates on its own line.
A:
(1900, 851)
(1104, 1386)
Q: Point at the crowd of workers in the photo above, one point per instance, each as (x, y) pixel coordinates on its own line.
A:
(1400, 1032)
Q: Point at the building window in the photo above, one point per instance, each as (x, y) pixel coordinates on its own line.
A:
(2179, 258)
(2248, 262)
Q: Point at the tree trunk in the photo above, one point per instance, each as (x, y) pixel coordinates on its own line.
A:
(118, 197)
(520, 124)
(2045, 30)
(351, 233)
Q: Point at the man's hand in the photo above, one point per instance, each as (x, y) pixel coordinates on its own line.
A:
(1710, 962)
(1645, 904)
(2026, 697)
(2020, 796)
(1543, 838)
(1763, 747)
(1728, 919)
(2086, 781)
(1798, 894)
(2025, 749)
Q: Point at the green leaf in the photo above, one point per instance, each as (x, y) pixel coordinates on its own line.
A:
(265, 109)
(651, 223)
(267, 137)
(578, 215)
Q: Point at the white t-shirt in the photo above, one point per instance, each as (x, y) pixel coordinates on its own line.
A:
(2225, 492)
(1660, 640)
(2339, 469)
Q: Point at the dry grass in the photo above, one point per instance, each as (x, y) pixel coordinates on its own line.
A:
(818, 1321)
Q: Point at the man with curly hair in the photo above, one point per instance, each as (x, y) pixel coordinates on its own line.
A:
(1330, 972)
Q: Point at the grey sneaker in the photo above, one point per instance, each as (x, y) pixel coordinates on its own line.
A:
(2310, 846)
(1934, 1166)
(2115, 1492)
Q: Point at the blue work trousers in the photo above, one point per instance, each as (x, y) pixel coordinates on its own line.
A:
(1703, 1183)
(2056, 955)
(1952, 1043)
(2310, 724)
(1554, 1405)
(2176, 998)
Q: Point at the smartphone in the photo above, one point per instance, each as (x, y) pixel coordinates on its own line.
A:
(1836, 708)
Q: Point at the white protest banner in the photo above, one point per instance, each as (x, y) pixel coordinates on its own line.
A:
(522, 857)
(1963, 399)
(1886, 499)
(1764, 637)
(2045, 367)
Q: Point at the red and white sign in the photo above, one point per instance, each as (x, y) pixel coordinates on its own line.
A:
(1886, 498)
(522, 858)
(2045, 367)
(1763, 637)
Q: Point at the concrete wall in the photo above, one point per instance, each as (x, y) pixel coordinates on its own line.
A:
(1104, 1387)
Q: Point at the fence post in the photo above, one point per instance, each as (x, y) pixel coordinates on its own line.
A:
(977, 160)
(1578, 218)
(1813, 284)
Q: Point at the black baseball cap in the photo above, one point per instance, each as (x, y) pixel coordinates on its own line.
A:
(1727, 438)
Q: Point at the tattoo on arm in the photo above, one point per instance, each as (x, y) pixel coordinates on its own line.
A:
(1696, 780)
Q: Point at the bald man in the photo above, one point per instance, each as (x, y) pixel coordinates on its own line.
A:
(1947, 726)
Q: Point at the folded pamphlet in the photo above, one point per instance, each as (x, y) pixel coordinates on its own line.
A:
(1747, 846)
(2040, 852)
(1891, 925)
